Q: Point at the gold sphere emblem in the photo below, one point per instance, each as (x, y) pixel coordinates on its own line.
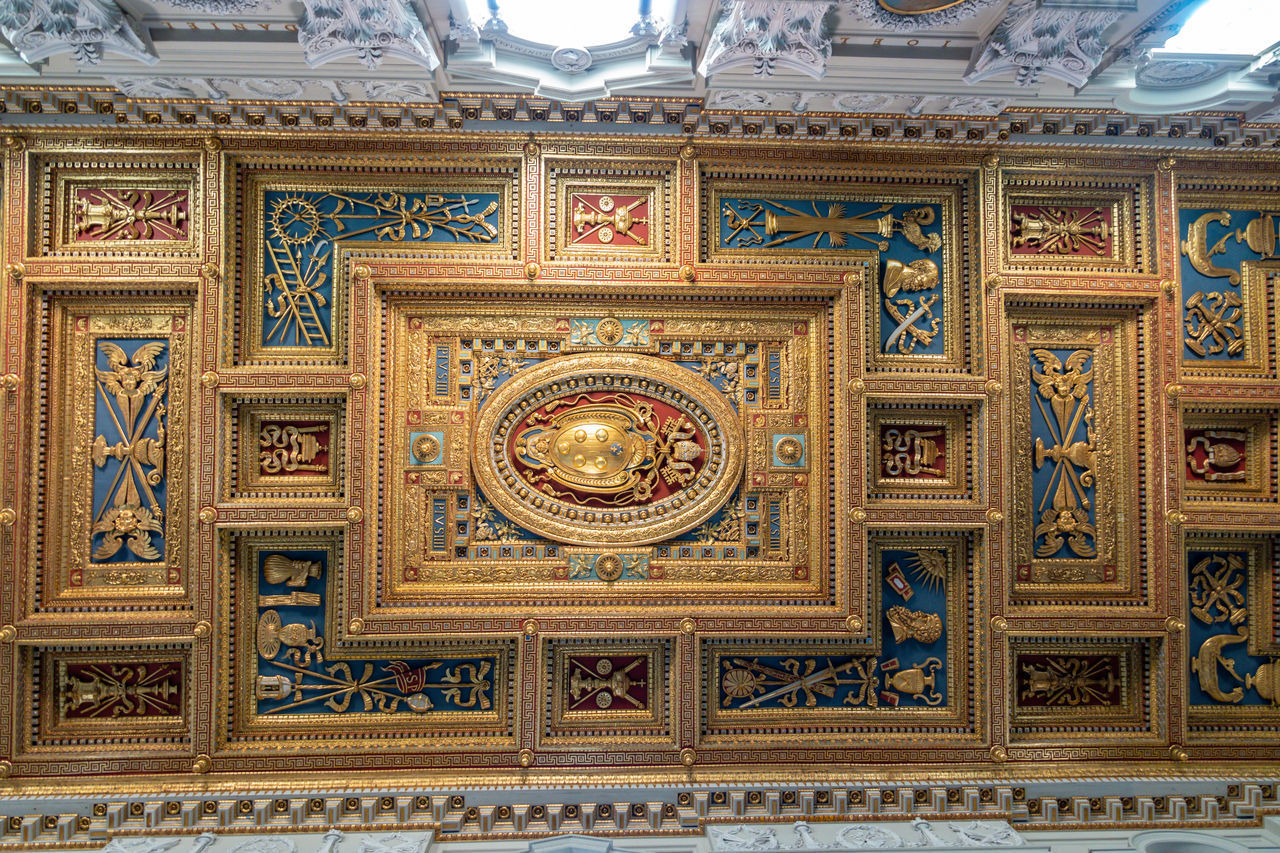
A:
(609, 331)
(426, 448)
(608, 567)
(526, 758)
(788, 450)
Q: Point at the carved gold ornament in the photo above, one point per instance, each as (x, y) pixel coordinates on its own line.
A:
(425, 448)
(914, 625)
(608, 448)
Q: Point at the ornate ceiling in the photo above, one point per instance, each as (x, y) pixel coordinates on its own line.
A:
(954, 68)
(390, 439)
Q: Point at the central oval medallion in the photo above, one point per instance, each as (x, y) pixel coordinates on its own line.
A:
(607, 449)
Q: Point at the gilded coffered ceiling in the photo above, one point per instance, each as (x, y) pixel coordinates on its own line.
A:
(955, 67)
(448, 458)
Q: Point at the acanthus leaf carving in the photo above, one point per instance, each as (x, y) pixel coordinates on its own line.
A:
(767, 35)
(367, 30)
(38, 29)
(1031, 40)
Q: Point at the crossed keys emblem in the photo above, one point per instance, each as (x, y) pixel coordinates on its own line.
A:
(133, 393)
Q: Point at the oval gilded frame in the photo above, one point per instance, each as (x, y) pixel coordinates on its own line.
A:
(607, 371)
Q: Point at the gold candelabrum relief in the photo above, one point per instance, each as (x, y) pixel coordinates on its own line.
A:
(1061, 230)
(1070, 680)
(605, 218)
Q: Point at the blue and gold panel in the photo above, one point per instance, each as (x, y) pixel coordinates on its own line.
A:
(295, 302)
(1227, 264)
(910, 241)
(921, 635)
(300, 672)
(1233, 634)
(117, 489)
(1075, 453)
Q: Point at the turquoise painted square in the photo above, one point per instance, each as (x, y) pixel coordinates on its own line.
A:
(438, 459)
(804, 451)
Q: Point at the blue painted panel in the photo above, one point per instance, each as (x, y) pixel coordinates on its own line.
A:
(1226, 572)
(301, 227)
(1062, 488)
(129, 482)
(924, 572)
(911, 298)
(300, 678)
(1212, 302)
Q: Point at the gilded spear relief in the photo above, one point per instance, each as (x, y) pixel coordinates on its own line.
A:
(117, 454)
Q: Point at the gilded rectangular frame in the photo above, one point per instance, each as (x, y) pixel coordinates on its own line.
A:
(60, 179)
(242, 731)
(243, 478)
(658, 188)
(1136, 717)
(249, 263)
(1131, 244)
(955, 418)
(654, 724)
(1112, 338)
(415, 319)
(75, 324)
(1259, 425)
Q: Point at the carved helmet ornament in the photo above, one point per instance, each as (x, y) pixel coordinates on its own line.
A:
(608, 449)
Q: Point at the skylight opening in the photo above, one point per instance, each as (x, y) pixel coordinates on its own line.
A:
(1242, 27)
(566, 22)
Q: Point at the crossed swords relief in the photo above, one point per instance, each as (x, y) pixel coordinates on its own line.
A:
(765, 224)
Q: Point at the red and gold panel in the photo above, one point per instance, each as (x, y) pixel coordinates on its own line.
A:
(1230, 454)
(1054, 223)
(285, 448)
(135, 699)
(108, 207)
(1064, 689)
(919, 451)
(615, 690)
(599, 213)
